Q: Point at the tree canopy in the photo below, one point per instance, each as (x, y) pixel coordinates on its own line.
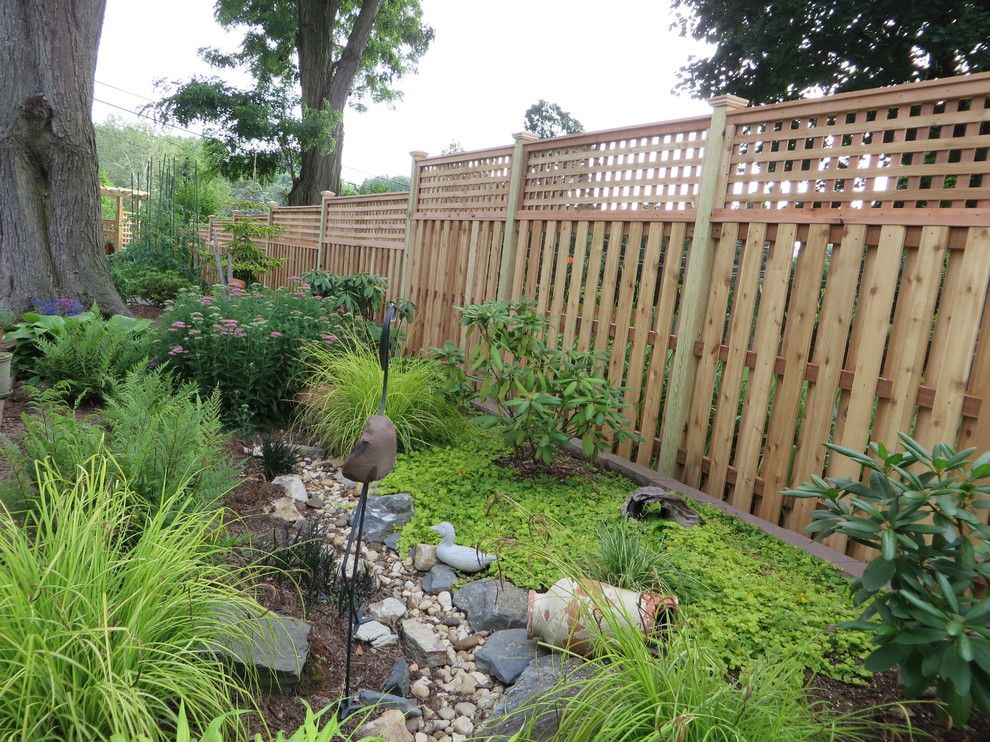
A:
(306, 59)
(771, 51)
(550, 120)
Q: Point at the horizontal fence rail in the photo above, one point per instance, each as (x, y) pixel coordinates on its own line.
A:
(762, 280)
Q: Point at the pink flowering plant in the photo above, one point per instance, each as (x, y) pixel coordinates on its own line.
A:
(247, 344)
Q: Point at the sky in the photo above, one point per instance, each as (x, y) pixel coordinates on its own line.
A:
(609, 64)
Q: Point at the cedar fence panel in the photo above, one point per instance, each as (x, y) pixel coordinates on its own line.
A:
(846, 247)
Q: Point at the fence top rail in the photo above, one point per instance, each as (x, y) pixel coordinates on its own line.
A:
(891, 95)
(657, 128)
(314, 207)
(390, 196)
(478, 154)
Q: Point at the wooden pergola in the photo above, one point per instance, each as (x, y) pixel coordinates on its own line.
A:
(117, 231)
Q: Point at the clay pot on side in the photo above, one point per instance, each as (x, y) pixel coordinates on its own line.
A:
(6, 379)
(569, 614)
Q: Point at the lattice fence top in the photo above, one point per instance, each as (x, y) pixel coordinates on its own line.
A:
(300, 224)
(653, 167)
(468, 181)
(920, 145)
(367, 221)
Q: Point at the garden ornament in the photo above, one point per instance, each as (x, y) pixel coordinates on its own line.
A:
(371, 459)
(672, 506)
(464, 558)
(572, 613)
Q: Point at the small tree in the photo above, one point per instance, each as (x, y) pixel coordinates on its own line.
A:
(924, 513)
(550, 120)
(245, 260)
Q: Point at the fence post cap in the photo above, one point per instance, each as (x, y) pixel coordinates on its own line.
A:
(525, 136)
(729, 101)
(418, 154)
(273, 204)
(327, 194)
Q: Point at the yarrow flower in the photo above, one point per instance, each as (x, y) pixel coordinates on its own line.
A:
(230, 322)
(206, 299)
(195, 332)
(275, 334)
(328, 338)
(178, 324)
(177, 350)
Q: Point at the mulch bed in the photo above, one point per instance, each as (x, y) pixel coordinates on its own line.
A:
(323, 677)
(147, 311)
(883, 690)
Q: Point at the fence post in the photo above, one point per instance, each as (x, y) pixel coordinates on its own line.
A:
(407, 247)
(268, 239)
(324, 196)
(694, 294)
(516, 179)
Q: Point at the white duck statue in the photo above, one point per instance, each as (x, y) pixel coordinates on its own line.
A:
(464, 558)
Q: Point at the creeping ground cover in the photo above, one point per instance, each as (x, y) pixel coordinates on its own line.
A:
(744, 595)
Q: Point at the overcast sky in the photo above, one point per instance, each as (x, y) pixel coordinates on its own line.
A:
(609, 64)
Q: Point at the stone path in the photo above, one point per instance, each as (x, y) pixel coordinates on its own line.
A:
(463, 648)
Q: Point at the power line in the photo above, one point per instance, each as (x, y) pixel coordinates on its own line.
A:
(129, 92)
(146, 116)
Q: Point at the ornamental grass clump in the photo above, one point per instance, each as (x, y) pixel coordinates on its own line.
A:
(248, 346)
(668, 688)
(344, 388)
(108, 615)
(924, 512)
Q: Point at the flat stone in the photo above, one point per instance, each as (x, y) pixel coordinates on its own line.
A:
(388, 611)
(397, 683)
(392, 542)
(492, 604)
(390, 726)
(285, 509)
(422, 645)
(275, 646)
(439, 578)
(425, 557)
(316, 503)
(467, 643)
(370, 631)
(553, 678)
(507, 653)
(307, 452)
(293, 486)
(385, 513)
(389, 701)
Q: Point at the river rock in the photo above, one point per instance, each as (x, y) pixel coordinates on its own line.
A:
(422, 645)
(425, 557)
(492, 604)
(385, 513)
(390, 726)
(285, 509)
(507, 653)
(438, 579)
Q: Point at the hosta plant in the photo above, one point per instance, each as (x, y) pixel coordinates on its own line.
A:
(544, 396)
(924, 513)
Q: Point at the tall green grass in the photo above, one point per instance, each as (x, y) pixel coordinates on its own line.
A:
(108, 614)
(621, 556)
(635, 691)
(344, 387)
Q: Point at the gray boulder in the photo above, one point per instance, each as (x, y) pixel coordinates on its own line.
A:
(275, 646)
(398, 681)
(507, 653)
(547, 681)
(388, 701)
(422, 645)
(385, 514)
(493, 604)
(439, 578)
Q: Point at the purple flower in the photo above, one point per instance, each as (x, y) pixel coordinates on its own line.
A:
(178, 325)
(328, 338)
(64, 306)
(177, 350)
(275, 334)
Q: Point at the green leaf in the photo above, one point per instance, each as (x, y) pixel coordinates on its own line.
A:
(886, 657)
(877, 574)
(888, 546)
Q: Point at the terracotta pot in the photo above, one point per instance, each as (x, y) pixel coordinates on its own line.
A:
(6, 377)
(569, 614)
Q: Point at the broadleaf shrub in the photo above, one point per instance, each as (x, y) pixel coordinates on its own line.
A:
(544, 395)
(157, 286)
(249, 346)
(923, 511)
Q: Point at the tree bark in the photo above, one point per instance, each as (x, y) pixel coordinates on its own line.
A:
(50, 228)
(329, 80)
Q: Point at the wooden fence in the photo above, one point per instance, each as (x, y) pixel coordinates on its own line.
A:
(763, 279)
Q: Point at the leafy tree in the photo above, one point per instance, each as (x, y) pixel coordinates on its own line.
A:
(306, 59)
(50, 235)
(454, 148)
(550, 120)
(771, 51)
(384, 184)
(123, 149)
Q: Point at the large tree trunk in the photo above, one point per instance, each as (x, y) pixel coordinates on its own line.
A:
(326, 81)
(50, 229)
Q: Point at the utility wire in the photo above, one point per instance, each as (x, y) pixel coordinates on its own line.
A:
(129, 92)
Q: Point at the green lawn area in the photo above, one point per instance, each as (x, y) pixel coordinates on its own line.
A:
(743, 594)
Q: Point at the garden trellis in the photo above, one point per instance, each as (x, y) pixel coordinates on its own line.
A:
(765, 279)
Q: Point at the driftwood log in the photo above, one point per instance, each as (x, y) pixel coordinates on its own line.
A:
(672, 506)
